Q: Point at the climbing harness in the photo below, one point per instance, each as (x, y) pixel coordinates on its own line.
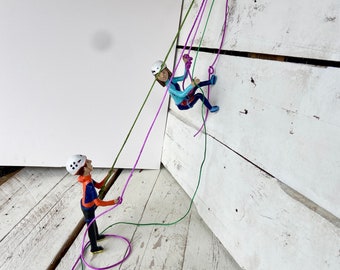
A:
(85, 244)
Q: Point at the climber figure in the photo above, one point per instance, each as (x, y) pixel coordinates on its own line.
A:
(187, 98)
(82, 166)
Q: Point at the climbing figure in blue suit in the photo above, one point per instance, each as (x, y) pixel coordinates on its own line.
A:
(187, 98)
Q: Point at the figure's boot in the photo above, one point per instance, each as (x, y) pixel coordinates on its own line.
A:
(97, 250)
(214, 109)
(213, 79)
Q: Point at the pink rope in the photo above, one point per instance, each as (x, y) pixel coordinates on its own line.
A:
(84, 245)
(211, 67)
(200, 16)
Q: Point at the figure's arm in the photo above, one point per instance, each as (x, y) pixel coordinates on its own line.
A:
(100, 184)
(180, 78)
(99, 202)
(180, 94)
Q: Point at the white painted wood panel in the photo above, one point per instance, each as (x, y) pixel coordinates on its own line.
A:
(130, 210)
(204, 250)
(260, 225)
(292, 128)
(304, 28)
(25, 190)
(155, 196)
(43, 217)
(73, 75)
(162, 247)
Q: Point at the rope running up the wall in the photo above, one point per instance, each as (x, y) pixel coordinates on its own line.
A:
(85, 245)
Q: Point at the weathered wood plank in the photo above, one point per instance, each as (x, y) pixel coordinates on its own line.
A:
(292, 109)
(203, 249)
(152, 196)
(304, 28)
(161, 247)
(22, 192)
(43, 228)
(244, 206)
(131, 210)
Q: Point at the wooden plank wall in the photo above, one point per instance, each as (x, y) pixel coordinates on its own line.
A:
(153, 196)
(272, 174)
(37, 216)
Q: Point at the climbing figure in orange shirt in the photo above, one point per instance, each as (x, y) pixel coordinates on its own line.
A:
(81, 166)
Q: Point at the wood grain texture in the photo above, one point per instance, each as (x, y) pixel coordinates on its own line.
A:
(291, 127)
(43, 210)
(155, 197)
(259, 224)
(306, 29)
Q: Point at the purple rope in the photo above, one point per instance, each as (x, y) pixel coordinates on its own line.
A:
(200, 16)
(211, 67)
(161, 104)
(84, 245)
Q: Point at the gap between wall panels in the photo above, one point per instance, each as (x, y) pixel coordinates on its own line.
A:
(291, 192)
(299, 60)
(281, 58)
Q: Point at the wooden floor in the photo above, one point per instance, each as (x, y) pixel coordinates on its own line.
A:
(40, 217)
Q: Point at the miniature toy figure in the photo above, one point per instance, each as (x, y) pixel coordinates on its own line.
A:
(187, 98)
(80, 165)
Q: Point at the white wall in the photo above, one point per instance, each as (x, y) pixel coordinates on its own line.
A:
(271, 180)
(73, 75)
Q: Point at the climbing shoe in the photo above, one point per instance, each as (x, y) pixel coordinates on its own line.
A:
(214, 109)
(213, 79)
(97, 250)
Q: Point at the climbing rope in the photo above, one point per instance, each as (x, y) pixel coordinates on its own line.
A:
(84, 244)
(109, 174)
(211, 69)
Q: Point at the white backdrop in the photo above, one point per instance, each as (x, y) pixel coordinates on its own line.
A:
(73, 75)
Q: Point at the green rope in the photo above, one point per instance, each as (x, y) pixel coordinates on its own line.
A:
(205, 141)
(109, 174)
(201, 40)
(191, 200)
(201, 166)
(196, 56)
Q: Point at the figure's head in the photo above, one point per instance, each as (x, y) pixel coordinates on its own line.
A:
(79, 165)
(161, 72)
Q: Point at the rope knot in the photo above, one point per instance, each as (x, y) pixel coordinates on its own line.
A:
(187, 59)
(211, 70)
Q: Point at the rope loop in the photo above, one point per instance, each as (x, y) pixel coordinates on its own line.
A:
(188, 61)
(81, 258)
(211, 70)
(124, 258)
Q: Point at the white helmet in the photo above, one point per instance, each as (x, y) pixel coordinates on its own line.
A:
(157, 67)
(74, 163)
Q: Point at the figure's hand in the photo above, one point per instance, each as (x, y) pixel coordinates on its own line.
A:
(119, 200)
(187, 60)
(195, 81)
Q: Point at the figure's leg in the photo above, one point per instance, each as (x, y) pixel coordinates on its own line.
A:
(212, 81)
(92, 230)
(183, 108)
(205, 102)
(98, 236)
(203, 99)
